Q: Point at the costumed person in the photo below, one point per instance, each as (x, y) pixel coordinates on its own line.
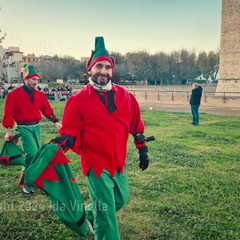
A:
(195, 101)
(96, 125)
(24, 106)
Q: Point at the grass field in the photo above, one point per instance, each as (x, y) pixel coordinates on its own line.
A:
(191, 189)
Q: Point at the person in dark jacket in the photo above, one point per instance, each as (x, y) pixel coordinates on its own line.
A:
(195, 102)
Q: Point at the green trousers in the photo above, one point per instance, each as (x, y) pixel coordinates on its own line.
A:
(30, 140)
(108, 195)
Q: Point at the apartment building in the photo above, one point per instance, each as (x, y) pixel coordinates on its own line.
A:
(11, 61)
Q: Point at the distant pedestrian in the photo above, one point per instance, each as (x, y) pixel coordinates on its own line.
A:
(195, 102)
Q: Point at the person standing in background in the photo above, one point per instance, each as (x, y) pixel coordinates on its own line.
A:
(24, 106)
(195, 101)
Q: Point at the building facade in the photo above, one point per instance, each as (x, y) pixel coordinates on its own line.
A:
(11, 67)
(12, 60)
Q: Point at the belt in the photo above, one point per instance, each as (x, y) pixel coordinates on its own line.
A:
(28, 123)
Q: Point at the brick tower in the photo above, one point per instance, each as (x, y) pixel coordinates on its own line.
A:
(229, 70)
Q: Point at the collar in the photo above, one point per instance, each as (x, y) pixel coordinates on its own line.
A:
(105, 88)
(27, 89)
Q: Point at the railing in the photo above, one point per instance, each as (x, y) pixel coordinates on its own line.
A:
(184, 96)
(209, 98)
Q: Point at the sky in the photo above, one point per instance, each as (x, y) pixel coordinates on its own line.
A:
(69, 27)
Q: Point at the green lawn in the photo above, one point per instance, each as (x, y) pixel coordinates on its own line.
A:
(191, 189)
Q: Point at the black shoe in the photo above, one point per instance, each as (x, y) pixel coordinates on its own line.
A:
(28, 189)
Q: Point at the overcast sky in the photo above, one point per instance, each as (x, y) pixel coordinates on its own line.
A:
(69, 27)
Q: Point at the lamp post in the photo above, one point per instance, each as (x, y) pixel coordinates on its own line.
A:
(132, 78)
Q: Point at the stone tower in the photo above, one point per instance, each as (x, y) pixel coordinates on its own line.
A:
(229, 70)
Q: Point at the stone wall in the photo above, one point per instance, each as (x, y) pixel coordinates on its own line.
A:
(229, 71)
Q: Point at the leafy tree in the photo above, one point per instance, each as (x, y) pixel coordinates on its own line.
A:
(64, 68)
(208, 64)
(188, 68)
(121, 70)
(202, 63)
(174, 69)
(213, 61)
(160, 67)
(139, 65)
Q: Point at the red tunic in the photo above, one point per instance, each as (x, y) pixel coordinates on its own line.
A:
(20, 108)
(101, 136)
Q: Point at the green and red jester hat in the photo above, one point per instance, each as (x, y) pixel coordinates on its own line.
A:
(100, 53)
(29, 71)
(50, 171)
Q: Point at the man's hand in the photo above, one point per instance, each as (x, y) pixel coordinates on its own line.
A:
(143, 161)
(58, 125)
(15, 137)
(139, 140)
(64, 141)
(8, 134)
(143, 158)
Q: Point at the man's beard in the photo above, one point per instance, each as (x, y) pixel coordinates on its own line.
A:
(32, 86)
(97, 78)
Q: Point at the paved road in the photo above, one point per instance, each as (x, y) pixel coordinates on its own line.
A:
(186, 108)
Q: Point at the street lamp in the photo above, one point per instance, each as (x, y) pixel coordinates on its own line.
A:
(132, 78)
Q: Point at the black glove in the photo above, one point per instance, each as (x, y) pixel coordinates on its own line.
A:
(139, 140)
(143, 161)
(64, 140)
(143, 158)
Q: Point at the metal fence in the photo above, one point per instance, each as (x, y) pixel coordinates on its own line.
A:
(184, 96)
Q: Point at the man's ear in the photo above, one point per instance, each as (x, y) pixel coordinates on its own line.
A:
(90, 59)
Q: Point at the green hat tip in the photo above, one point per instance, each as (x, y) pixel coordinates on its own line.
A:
(100, 53)
(99, 43)
(100, 49)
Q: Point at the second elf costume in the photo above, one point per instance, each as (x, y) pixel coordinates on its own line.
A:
(96, 125)
(24, 106)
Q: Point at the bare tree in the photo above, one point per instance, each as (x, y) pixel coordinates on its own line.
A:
(208, 64)
(2, 35)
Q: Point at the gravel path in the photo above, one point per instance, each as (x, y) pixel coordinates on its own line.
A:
(186, 108)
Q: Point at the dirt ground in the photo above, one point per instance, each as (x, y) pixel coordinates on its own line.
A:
(233, 111)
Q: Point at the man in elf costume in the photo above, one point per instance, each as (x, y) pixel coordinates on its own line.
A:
(24, 106)
(96, 125)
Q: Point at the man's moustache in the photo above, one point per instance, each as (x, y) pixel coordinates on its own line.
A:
(102, 75)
